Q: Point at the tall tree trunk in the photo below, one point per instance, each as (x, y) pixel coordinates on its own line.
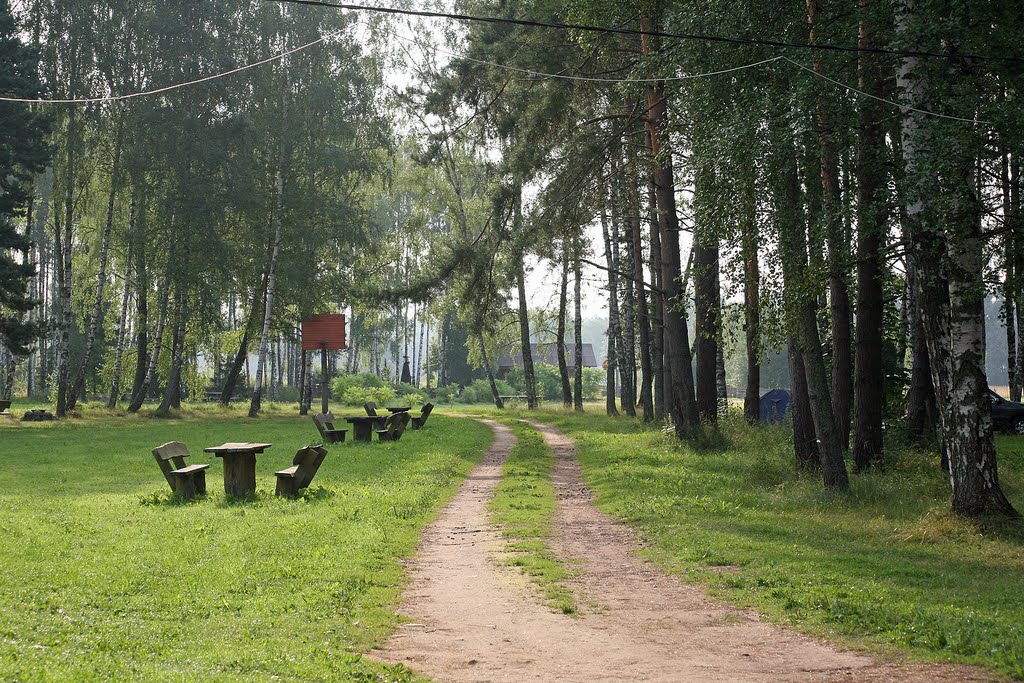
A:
(839, 294)
(1014, 217)
(577, 394)
(752, 305)
(96, 319)
(268, 300)
(154, 358)
(303, 369)
(122, 324)
(659, 383)
(643, 313)
(793, 254)
(524, 336)
(805, 444)
(63, 245)
(903, 333)
(922, 412)
(172, 394)
(869, 396)
(563, 364)
(948, 254)
(613, 320)
(495, 394)
(706, 296)
(242, 355)
(627, 315)
(685, 416)
(1009, 282)
(141, 310)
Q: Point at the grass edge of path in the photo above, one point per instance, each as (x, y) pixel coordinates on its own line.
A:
(523, 508)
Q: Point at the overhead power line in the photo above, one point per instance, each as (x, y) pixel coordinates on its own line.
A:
(658, 34)
(155, 91)
(575, 77)
(540, 74)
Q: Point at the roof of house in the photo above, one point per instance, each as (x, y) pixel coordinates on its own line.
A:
(547, 353)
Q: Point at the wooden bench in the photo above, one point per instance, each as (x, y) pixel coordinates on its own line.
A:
(371, 408)
(304, 467)
(394, 427)
(325, 425)
(4, 406)
(185, 480)
(421, 419)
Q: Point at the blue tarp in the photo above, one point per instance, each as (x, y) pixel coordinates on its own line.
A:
(774, 405)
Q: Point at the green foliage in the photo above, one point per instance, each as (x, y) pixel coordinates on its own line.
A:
(102, 562)
(358, 395)
(593, 383)
(447, 394)
(366, 380)
(480, 391)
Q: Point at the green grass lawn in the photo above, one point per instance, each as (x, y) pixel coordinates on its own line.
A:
(107, 577)
(524, 508)
(886, 566)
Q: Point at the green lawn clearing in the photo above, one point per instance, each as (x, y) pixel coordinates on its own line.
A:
(108, 577)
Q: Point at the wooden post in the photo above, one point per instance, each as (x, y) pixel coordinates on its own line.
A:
(323, 378)
(239, 474)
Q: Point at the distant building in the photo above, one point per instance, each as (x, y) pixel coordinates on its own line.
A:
(545, 353)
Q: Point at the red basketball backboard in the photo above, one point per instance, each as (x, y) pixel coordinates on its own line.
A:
(325, 331)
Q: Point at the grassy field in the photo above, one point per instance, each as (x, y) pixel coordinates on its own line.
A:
(106, 577)
(886, 566)
(524, 508)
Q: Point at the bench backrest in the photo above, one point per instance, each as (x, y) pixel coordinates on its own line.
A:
(170, 456)
(4, 405)
(396, 424)
(308, 460)
(424, 414)
(371, 408)
(324, 423)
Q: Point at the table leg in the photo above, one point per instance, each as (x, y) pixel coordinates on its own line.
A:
(364, 431)
(239, 474)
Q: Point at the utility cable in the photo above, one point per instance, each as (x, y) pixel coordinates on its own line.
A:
(903, 107)
(155, 91)
(657, 34)
(571, 77)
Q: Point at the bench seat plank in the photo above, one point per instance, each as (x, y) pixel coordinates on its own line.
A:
(188, 470)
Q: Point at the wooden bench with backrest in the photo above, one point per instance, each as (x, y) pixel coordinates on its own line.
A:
(394, 427)
(421, 419)
(325, 425)
(304, 467)
(185, 480)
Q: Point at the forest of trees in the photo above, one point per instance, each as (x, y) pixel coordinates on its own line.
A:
(837, 179)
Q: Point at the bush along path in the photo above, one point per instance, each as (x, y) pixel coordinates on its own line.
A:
(474, 619)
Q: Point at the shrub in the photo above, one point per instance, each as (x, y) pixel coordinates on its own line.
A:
(480, 391)
(358, 395)
(342, 383)
(446, 393)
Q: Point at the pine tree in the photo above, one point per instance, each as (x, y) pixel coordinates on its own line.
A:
(23, 153)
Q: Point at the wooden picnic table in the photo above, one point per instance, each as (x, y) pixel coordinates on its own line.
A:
(400, 409)
(239, 466)
(514, 398)
(363, 426)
